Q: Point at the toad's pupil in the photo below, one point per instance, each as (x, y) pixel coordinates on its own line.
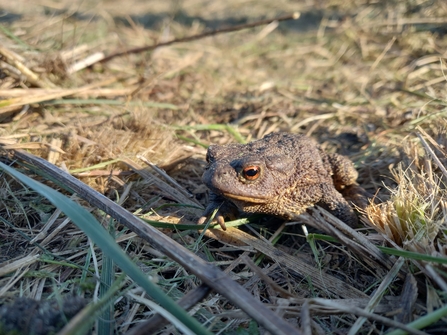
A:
(251, 172)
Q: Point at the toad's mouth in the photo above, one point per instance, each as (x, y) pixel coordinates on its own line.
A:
(245, 198)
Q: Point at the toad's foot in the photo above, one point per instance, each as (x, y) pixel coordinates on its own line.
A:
(225, 209)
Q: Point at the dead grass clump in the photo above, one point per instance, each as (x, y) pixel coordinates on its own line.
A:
(415, 215)
(126, 135)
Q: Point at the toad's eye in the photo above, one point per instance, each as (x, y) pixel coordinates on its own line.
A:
(251, 172)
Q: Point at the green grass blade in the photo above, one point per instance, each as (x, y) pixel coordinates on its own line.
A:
(11, 35)
(82, 322)
(423, 321)
(391, 251)
(96, 166)
(413, 255)
(91, 227)
(106, 321)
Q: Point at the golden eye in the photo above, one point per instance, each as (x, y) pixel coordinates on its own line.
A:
(251, 172)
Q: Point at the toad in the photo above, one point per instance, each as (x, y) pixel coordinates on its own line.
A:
(281, 174)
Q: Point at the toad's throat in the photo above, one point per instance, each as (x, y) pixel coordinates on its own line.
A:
(246, 198)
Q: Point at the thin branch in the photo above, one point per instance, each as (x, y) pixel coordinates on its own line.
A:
(293, 16)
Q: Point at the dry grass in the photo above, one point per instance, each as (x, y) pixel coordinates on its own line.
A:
(414, 218)
(367, 79)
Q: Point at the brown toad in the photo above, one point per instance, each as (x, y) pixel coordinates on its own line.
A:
(281, 174)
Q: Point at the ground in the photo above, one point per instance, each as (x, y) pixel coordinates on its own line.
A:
(366, 79)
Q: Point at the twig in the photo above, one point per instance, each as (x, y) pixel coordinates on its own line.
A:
(32, 77)
(293, 16)
(86, 62)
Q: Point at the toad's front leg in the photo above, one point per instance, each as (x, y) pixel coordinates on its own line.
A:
(225, 209)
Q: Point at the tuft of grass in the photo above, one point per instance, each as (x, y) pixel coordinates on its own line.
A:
(415, 215)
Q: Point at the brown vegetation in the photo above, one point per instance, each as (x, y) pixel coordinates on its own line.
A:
(366, 79)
